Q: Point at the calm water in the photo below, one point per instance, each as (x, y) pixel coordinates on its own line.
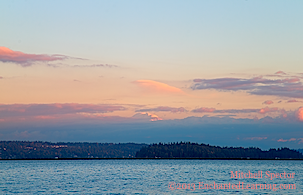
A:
(147, 177)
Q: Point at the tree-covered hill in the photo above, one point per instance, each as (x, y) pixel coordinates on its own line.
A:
(49, 150)
(194, 150)
(40, 150)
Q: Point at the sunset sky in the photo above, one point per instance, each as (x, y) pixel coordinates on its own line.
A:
(225, 73)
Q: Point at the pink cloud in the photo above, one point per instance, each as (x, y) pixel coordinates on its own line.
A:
(163, 109)
(255, 138)
(8, 55)
(1, 77)
(236, 111)
(280, 72)
(203, 109)
(155, 86)
(12, 110)
(293, 101)
(268, 102)
(286, 140)
(291, 80)
(281, 140)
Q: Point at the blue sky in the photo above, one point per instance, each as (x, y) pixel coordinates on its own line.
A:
(229, 35)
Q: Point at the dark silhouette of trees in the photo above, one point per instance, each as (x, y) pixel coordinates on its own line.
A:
(48, 150)
(194, 150)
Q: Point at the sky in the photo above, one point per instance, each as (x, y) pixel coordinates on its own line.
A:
(225, 73)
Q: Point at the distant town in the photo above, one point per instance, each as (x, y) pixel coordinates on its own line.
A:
(48, 150)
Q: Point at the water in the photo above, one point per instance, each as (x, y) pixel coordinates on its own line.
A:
(144, 176)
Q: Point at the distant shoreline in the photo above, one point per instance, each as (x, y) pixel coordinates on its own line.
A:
(38, 150)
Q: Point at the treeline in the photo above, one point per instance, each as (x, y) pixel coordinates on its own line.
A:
(45, 150)
(194, 150)
(49, 150)
(300, 150)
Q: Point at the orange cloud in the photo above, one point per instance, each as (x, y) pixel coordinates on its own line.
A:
(157, 86)
(267, 109)
(300, 113)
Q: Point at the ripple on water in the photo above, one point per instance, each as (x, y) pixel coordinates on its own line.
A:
(140, 176)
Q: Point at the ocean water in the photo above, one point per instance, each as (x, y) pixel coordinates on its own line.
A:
(151, 177)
